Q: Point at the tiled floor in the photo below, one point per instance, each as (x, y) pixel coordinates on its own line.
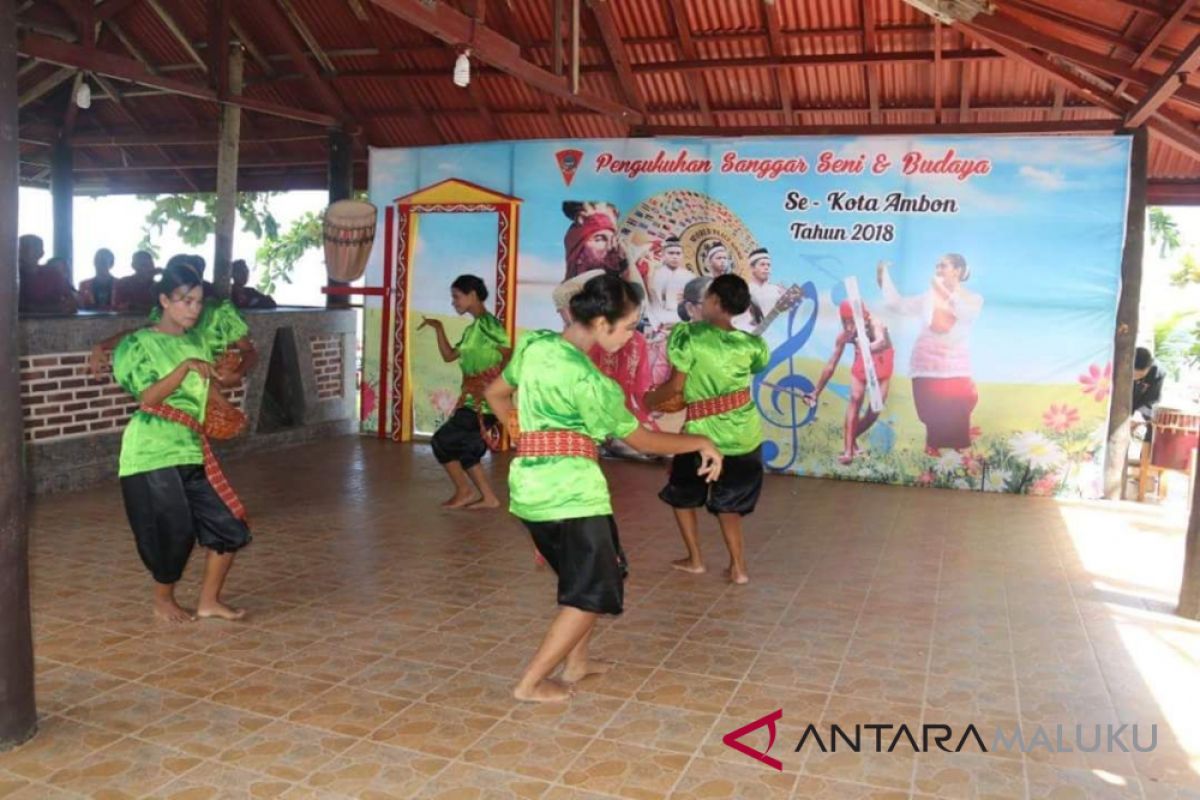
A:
(385, 635)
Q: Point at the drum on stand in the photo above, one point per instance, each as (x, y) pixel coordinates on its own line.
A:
(349, 233)
(1176, 437)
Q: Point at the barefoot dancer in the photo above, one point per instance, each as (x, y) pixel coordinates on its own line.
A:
(882, 358)
(175, 495)
(459, 445)
(713, 364)
(556, 486)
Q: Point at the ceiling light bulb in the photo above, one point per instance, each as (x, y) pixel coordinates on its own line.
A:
(462, 69)
(83, 95)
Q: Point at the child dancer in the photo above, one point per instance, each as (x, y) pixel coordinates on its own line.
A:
(174, 492)
(555, 483)
(712, 365)
(459, 445)
(882, 359)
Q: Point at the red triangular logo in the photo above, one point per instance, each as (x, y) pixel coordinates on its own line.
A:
(568, 162)
(769, 720)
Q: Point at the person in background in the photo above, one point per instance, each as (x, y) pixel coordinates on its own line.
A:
(44, 289)
(1148, 379)
(96, 294)
(135, 294)
(245, 296)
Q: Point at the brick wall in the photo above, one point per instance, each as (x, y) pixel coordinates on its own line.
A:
(61, 400)
(328, 359)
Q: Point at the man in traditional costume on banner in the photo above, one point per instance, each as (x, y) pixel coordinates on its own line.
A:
(943, 389)
(591, 240)
(591, 245)
(715, 261)
(763, 293)
(667, 283)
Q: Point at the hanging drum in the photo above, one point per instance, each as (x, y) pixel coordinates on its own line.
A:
(349, 232)
(1176, 435)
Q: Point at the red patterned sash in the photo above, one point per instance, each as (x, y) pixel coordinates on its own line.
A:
(556, 443)
(212, 469)
(717, 405)
(474, 385)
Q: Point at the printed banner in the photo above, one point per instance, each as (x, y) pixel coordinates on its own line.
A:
(940, 310)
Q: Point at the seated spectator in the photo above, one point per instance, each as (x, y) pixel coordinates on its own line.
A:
(1148, 379)
(137, 294)
(44, 289)
(96, 294)
(244, 296)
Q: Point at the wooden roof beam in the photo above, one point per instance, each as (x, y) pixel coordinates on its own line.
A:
(1180, 136)
(388, 53)
(1169, 26)
(607, 24)
(457, 29)
(110, 8)
(937, 71)
(783, 78)
(56, 51)
(1014, 30)
(1167, 85)
(868, 45)
(45, 86)
(817, 60)
(177, 32)
(521, 36)
(688, 46)
(1008, 128)
(1152, 7)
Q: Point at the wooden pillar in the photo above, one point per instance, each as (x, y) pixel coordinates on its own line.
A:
(62, 194)
(341, 187)
(1189, 590)
(18, 718)
(227, 169)
(1125, 339)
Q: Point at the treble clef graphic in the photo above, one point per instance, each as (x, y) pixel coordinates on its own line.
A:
(791, 385)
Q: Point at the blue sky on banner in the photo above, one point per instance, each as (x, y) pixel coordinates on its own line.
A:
(1042, 231)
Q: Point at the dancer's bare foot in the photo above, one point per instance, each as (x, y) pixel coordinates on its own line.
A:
(483, 503)
(459, 501)
(548, 691)
(170, 611)
(219, 610)
(574, 674)
(737, 576)
(688, 566)
(845, 458)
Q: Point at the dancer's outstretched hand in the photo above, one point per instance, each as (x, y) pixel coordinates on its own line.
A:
(427, 322)
(710, 462)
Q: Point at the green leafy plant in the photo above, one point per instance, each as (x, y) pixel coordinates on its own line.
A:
(1164, 232)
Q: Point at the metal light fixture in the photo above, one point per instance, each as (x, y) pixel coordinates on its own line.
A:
(462, 69)
(950, 11)
(83, 95)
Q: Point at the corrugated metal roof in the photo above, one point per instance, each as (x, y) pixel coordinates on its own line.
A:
(381, 96)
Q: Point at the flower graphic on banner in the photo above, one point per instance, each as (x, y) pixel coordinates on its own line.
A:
(1097, 382)
(1037, 450)
(996, 480)
(1044, 486)
(947, 463)
(925, 479)
(1060, 418)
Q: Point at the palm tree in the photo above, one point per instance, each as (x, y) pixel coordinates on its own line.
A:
(1164, 232)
